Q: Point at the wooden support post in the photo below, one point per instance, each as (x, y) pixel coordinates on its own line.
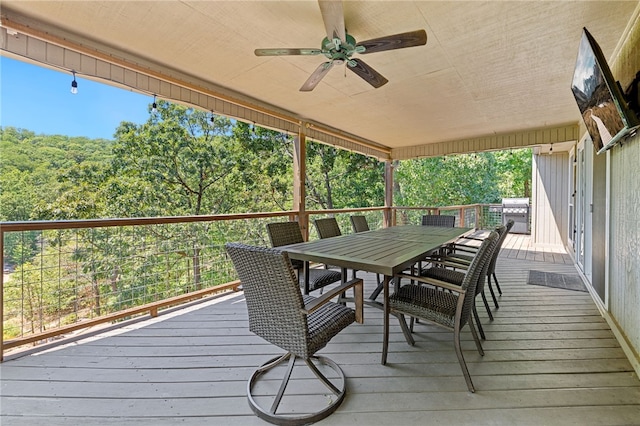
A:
(388, 194)
(299, 176)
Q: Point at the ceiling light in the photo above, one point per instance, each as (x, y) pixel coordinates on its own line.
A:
(74, 84)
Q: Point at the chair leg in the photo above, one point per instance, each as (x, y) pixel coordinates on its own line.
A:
(283, 384)
(475, 337)
(463, 364)
(297, 417)
(322, 377)
(493, 295)
(497, 284)
(480, 329)
(405, 330)
(486, 305)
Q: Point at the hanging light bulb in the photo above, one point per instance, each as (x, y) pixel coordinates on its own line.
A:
(550, 149)
(253, 127)
(154, 105)
(212, 119)
(74, 84)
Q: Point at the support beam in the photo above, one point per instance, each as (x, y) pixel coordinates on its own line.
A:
(299, 175)
(388, 193)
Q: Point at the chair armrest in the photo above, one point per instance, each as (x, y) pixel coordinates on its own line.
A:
(479, 235)
(448, 261)
(434, 282)
(464, 248)
(358, 289)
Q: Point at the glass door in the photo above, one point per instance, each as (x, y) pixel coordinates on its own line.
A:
(583, 206)
(571, 229)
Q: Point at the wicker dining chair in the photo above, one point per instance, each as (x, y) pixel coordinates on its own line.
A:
(448, 309)
(492, 267)
(301, 325)
(360, 224)
(327, 227)
(445, 221)
(463, 254)
(285, 233)
(449, 270)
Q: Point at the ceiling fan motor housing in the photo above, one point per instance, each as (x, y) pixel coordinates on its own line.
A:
(339, 50)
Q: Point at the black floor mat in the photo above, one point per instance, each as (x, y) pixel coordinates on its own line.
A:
(551, 279)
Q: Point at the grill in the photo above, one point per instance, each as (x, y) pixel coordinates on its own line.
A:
(518, 210)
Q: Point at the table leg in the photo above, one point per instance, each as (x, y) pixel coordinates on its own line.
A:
(377, 291)
(385, 308)
(306, 277)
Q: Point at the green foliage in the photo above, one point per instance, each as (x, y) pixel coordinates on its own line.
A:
(180, 162)
(483, 178)
(265, 169)
(340, 179)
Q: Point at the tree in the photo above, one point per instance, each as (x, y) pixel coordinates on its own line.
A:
(265, 169)
(446, 181)
(340, 179)
(179, 160)
(515, 169)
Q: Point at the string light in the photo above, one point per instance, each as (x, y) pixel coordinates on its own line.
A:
(550, 149)
(212, 119)
(74, 84)
(154, 105)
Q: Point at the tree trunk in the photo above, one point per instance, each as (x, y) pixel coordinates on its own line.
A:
(196, 269)
(96, 295)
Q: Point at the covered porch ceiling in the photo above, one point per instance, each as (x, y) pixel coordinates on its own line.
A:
(492, 75)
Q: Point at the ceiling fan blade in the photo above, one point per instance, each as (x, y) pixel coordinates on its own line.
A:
(367, 73)
(397, 41)
(317, 75)
(333, 17)
(285, 51)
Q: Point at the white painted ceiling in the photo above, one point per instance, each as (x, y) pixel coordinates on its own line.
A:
(489, 67)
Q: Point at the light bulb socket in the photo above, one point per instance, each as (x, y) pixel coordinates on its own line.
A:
(154, 105)
(74, 84)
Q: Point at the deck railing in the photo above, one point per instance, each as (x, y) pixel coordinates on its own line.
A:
(61, 276)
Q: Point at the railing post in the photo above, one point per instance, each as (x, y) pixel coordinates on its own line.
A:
(479, 218)
(461, 213)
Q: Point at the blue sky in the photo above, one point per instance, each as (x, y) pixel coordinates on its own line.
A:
(40, 99)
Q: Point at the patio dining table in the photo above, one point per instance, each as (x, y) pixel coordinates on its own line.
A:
(386, 251)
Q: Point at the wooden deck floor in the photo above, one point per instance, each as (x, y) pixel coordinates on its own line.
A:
(550, 360)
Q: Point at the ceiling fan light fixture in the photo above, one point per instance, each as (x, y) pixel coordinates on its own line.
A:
(339, 46)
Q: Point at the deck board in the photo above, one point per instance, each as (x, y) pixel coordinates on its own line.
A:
(550, 359)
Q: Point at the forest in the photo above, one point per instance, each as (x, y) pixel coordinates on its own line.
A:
(186, 162)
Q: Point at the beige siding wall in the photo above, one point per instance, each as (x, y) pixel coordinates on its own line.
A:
(624, 232)
(624, 240)
(550, 206)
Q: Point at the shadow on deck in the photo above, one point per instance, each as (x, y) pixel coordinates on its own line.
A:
(550, 359)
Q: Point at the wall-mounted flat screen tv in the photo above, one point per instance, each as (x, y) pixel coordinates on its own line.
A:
(604, 109)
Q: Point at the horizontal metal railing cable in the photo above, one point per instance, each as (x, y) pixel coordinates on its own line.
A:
(63, 276)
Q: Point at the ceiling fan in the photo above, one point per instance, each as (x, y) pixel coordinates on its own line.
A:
(339, 47)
